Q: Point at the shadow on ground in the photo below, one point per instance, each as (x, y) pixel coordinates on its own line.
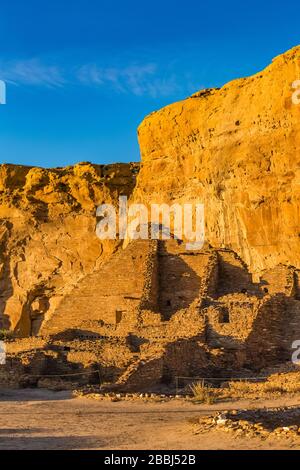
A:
(33, 395)
(8, 431)
(270, 418)
(49, 442)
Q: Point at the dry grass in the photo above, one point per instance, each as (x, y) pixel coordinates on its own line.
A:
(272, 388)
(276, 385)
(6, 335)
(202, 393)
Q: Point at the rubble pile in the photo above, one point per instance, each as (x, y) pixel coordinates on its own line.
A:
(263, 423)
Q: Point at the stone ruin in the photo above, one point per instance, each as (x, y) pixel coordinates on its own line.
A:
(137, 318)
(154, 312)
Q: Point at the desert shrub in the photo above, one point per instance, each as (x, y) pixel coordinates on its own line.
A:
(248, 389)
(242, 387)
(5, 335)
(284, 383)
(272, 388)
(202, 393)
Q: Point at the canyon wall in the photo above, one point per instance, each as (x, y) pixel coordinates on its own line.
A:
(47, 235)
(237, 150)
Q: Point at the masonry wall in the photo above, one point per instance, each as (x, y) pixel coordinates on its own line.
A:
(228, 323)
(155, 312)
(281, 279)
(109, 295)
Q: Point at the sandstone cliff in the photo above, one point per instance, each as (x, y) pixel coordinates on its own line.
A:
(237, 150)
(47, 235)
(142, 316)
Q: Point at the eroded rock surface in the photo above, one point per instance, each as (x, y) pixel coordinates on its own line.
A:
(237, 150)
(47, 235)
(147, 313)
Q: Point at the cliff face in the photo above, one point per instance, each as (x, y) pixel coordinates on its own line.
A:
(237, 150)
(47, 235)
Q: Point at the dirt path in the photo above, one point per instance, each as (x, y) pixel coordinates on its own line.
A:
(40, 419)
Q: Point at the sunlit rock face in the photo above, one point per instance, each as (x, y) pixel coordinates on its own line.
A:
(48, 240)
(237, 150)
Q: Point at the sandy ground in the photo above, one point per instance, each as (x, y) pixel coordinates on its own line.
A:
(41, 419)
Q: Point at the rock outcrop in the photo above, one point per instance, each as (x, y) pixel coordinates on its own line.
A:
(145, 312)
(47, 235)
(237, 150)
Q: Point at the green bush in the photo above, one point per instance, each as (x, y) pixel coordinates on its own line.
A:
(6, 335)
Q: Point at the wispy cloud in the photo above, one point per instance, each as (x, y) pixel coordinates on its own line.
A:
(146, 79)
(140, 80)
(32, 72)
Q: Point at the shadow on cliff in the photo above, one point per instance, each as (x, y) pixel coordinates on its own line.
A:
(71, 334)
(183, 359)
(179, 284)
(39, 208)
(235, 279)
(268, 343)
(6, 287)
(51, 363)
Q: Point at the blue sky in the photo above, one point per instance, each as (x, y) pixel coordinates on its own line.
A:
(82, 74)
